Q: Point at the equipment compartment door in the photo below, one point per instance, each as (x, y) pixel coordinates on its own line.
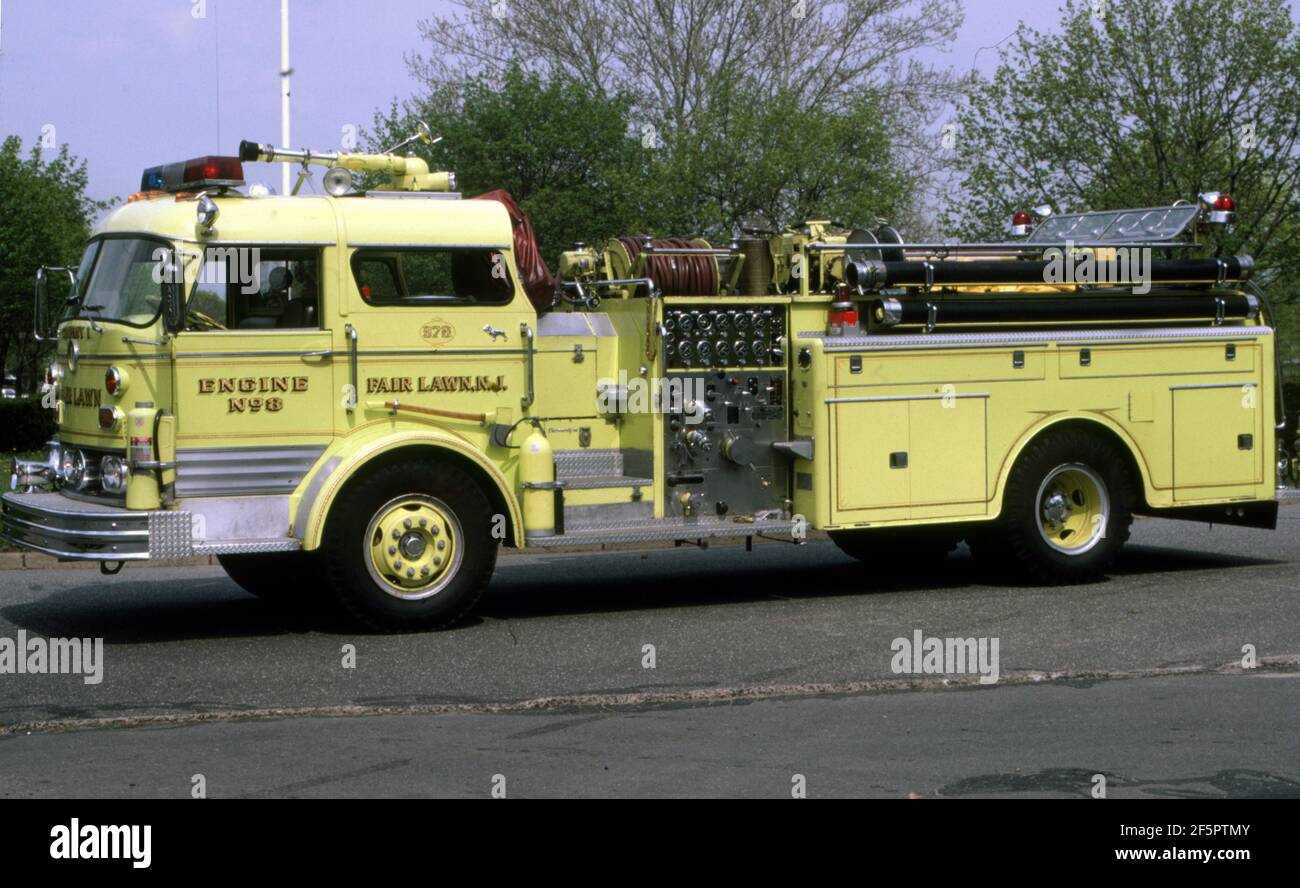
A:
(948, 458)
(1218, 441)
(899, 458)
(867, 435)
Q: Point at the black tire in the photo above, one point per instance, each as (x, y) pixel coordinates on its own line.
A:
(284, 578)
(399, 599)
(1066, 512)
(898, 550)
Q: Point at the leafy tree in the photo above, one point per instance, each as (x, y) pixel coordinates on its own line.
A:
(1139, 103)
(780, 162)
(692, 69)
(44, 220)
(566, 154)
(584, 172)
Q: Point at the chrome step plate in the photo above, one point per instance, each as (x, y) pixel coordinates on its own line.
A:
(668, 529)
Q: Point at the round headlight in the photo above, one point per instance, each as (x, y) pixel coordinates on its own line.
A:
(53, 457)
(72, 467)
(113, 474)
(207, 212)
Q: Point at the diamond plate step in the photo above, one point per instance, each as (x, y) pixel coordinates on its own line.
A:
(599, 482)
(587, 463)
(667, 529)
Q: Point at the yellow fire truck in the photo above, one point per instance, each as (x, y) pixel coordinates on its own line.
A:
(363, 394)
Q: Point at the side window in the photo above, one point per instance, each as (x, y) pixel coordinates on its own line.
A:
(256, 288)
(422, 276)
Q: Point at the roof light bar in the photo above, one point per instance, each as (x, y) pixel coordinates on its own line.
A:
(196, 174)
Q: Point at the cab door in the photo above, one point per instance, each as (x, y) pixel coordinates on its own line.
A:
(253, 372)
(439, 329)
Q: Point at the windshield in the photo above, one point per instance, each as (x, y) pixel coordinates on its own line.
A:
(119, 279)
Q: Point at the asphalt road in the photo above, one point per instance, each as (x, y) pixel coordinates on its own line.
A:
(768, 665)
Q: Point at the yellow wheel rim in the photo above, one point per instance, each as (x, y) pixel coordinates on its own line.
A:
(1072, 509)
(414, 546)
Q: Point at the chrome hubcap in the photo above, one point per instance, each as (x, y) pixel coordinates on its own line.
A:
(1073, 509)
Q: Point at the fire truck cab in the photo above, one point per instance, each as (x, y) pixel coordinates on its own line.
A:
(362, 395)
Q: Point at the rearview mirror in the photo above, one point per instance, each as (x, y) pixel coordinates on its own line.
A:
(173, 304)
(46, 315)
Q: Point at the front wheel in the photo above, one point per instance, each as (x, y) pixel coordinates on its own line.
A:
(1066, 512)
(410, 546)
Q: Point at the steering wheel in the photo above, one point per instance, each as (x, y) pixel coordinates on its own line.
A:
(194, 315)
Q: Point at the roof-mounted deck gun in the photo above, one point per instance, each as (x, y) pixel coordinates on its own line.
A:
(408, 173)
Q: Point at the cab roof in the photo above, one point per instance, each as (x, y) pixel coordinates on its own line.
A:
(319, 219)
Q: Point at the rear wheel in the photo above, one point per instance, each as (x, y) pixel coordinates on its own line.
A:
(1067, 510)
(410, 546)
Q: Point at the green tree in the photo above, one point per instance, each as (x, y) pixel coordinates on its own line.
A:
(1140, 103)
(778, 78)
(782, 162)
(44, 220)
(566, 154)
(575, 160)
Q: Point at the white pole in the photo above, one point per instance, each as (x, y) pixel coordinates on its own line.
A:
(284, 90)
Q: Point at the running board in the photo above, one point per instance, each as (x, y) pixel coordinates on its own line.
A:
(671, 529)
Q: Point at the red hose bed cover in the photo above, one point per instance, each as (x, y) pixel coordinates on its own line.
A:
(539, 282)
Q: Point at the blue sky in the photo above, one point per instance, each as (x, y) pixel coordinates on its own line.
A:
(134, 83)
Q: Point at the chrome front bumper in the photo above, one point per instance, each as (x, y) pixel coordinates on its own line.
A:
(67, 528)
(71, 528)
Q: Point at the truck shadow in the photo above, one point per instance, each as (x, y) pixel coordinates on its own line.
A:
(134, 609)
(829, 574)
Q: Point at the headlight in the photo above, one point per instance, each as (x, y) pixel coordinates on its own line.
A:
(113, 474)
(72, 467)
(53, 457)
(207, 212)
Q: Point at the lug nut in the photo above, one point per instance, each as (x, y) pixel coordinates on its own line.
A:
(397, 565)
(424, 522)
(424, 571)
(442, 544)
(392, 550)
(410, 572)
(397, 534)
(407, 523)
